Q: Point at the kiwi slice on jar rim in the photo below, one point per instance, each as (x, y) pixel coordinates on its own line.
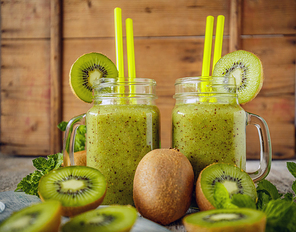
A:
(239, 219)
(247, 69)
(45, 216)
(105, 219)
(236, 181)
(88, 68)
(78, 188)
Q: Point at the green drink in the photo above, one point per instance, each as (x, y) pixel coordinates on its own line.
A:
(209, 126)
(118, 136)
(209, 132)
(121, 127)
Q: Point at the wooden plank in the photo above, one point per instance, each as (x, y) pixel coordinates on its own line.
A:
(25, 96)
(151, 18)
(165, 60)
(235, 25)
(55, 76)
(269, 17)
(278, 111)
(175, 18)
(25, 19)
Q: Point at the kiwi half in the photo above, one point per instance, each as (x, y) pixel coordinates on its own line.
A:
(247, 69)
(233, 178)
(88, 68)
(78, 188)
(45, 217)
(242, 219)
(105, 219)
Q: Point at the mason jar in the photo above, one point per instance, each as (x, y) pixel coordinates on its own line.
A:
(209, 125)
(122, 126)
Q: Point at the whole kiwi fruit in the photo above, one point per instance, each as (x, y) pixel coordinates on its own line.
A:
(163, 185)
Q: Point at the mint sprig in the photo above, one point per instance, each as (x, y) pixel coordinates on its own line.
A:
(29, 184)
(280, 209)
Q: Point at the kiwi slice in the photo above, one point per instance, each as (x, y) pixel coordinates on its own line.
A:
(88, 68)
(105, 219)
(78, 188)
(45, 217)
(247, 69)
(233, 178)
(240, 219)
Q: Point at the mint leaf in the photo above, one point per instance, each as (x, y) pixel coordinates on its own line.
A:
(292, 168)
(243, 201)
(263, 199)
(288, 197)
(294, 186)
(80, 139)
(62, 125)
(29, 184)
(266, 186)
(279, 214)
(222, 198)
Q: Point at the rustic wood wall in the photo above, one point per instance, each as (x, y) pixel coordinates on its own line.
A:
(40, 39)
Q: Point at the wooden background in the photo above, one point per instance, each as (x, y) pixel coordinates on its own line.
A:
(40, 39)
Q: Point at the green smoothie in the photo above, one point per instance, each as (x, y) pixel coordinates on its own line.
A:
(208, 132)
(118, 136)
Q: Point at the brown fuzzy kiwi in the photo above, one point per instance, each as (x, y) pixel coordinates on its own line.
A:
(79, 159)
(163, 185)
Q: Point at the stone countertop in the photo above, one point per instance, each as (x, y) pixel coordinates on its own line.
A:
(14, 168)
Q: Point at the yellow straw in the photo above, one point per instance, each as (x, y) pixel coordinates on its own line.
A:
(218, 39)
(130, 49)
(118, 43)
(130, 56)
(207, 47)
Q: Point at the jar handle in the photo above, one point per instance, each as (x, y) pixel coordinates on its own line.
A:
(69, 138)
(265, 147)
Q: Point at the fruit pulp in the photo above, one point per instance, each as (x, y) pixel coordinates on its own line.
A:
(118, 137)
(209, 132)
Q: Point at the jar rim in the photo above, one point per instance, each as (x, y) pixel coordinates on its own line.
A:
(231, 79)
(114, 81)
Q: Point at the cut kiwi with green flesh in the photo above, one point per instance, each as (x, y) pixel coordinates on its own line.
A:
(37, 217)
(105, 219)
(86, 70)
(235, 180)
(240, 219)
(247, 69)
(78, 188)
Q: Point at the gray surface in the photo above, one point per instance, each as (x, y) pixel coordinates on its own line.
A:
(14, 168)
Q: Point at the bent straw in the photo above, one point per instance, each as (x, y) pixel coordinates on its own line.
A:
(218, 40)
(119, 47)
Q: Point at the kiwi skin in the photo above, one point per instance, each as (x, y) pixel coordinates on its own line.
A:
(71, 211)
(201, 200)
(163, 185)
